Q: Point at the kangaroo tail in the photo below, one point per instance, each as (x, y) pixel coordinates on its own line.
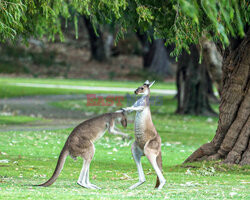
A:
(159, 163)
(61, 160)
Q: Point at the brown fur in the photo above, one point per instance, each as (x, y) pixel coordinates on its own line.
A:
(159, 162)
(80, 141)
(154, 147)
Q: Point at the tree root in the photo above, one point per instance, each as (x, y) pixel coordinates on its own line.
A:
(202, 153)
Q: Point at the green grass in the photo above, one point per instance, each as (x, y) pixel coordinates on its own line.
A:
(165, 105)
(7, 120)
(7, 89)
(99, 83)
(29, 157)
(32, 157)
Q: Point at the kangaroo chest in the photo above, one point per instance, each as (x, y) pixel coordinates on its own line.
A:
(142, 123)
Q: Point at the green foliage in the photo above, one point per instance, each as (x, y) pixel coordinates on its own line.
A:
(11, 13)
(31, 18)
(179, 21)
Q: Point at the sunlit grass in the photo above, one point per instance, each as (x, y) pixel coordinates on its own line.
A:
(32, 156)
(84, 82)
(8, 89)
(29, 157)
(6, 120)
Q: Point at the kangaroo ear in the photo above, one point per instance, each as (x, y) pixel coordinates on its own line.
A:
(146, 83)
(152, 83)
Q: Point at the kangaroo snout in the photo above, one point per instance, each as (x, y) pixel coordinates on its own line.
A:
(139, 90)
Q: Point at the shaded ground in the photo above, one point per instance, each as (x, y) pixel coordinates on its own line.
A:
(41, 106)
(38, 106)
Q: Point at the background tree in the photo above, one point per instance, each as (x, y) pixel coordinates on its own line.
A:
(155, 55)
(192, 85)
(213, 62)
(96, 41)
(194, 79)
(25, 18)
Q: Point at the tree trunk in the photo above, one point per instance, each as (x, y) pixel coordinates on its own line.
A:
(146, 53)
(96, 42)
(160, 63)
(155, 56)
(213, 62)
(210, 91)
(231, 142)
(192, 85)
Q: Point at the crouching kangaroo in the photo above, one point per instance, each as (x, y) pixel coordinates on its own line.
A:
(81, 143)
(147, 140)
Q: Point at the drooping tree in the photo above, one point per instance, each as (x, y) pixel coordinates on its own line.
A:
(231, 141)
(184, 22)
(26, 18)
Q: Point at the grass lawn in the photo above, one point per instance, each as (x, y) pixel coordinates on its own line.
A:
(6, 120)
(8, 89)
(102, 83)
(29, 157)
(160, 106)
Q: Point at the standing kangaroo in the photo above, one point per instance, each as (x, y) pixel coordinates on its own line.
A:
(147, 140)
(81, 143)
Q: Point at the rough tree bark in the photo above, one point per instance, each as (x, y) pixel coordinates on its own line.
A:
(192, 85)
(231, 141)
(96, 42)
(155, 56)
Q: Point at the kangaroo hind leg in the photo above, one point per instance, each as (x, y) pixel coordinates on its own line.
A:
(137, 154)
(83, 179)
(154, 157)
